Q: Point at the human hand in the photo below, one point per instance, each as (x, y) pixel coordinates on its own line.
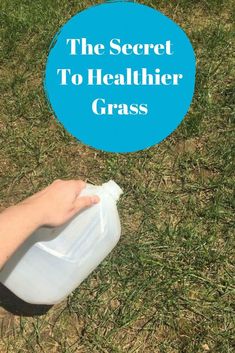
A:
(59, 202)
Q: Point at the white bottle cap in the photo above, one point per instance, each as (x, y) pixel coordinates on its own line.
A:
(113, 189)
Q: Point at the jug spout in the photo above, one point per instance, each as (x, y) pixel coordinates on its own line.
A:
(113, 189)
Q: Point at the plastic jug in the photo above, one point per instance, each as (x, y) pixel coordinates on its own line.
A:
(54, 261)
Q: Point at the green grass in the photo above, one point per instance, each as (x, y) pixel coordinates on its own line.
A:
(168, 287)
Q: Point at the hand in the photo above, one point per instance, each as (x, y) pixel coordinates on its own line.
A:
(59, 202)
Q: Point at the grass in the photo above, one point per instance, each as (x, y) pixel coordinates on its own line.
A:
(168, 287)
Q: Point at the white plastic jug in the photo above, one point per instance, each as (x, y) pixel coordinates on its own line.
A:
(54, 261)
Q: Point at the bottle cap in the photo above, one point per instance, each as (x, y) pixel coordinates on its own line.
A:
(113, 189)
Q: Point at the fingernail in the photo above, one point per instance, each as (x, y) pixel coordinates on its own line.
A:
(95, 199)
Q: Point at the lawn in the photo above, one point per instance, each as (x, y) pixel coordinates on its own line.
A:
(168, 287)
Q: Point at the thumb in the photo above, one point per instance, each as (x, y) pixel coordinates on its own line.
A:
(85, 201)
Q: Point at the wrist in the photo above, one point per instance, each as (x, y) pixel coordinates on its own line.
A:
(30, 212)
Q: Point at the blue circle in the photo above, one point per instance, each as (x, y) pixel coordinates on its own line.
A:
(120, 76)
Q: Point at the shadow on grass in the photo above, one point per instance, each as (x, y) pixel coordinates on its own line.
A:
(10, 302)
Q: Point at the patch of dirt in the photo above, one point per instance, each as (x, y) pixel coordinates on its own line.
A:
(188, 146)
